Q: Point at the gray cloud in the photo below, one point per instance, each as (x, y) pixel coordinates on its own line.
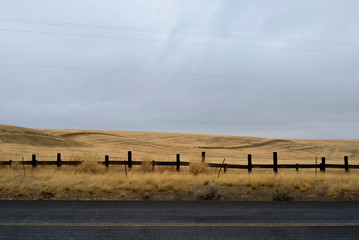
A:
(295, 62)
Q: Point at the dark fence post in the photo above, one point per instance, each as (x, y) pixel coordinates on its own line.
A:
(224, 168)
(322, 165)
(153, 165)
(346, 163)
(249, 163)
(34, 161)
(297, 167)
(129, 159)
(58, 161)
(203, 156)
(107, 161)
(275, 162)
(178, 162)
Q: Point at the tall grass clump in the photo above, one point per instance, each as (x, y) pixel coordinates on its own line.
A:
(146, 165)
(89, 163)
(198, 166)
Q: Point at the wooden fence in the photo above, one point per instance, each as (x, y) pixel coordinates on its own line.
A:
(178, 163)
(34, 162)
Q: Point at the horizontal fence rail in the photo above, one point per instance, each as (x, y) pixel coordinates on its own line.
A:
(178, 163)
(34, 162)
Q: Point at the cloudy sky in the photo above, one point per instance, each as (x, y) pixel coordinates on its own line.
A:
(281, 69)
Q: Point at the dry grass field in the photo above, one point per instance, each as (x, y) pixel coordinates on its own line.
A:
(16, 142)
(91, 181)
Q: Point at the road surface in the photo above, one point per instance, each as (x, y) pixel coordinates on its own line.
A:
(178, 220)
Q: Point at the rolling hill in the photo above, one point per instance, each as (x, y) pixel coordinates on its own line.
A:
(17, 142)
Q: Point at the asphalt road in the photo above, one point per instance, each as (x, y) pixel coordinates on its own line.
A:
(178, 220)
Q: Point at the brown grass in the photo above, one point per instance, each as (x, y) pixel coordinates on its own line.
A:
(146, 165)
(16, 142)
(70, 183)
(198, 167)
(93, 181)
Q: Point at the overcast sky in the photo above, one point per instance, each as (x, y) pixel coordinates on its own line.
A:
(279, 69)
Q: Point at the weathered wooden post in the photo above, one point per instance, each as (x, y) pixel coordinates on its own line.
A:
(225, 168)
(153, 165)
(346, 163)
(275, 162)
(249, 163)
(178, 164)
(107, 161)
(203, 156)
(129, 159)
(34, 161)
(297, 167)
(58, 160)
(322, 165)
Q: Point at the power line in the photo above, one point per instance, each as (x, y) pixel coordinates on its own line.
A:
(149, 30)
(173, 73)
(178, 42)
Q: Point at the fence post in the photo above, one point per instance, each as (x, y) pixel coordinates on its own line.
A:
(34, 161)
(275, 162)
(58, 161)
(129, 159)
(225, 168)
(249, 163)
(346, 163)
(203, 156)
(297, 167)
(178, 162)
(153, 165)
(107, 161)
(322, 165)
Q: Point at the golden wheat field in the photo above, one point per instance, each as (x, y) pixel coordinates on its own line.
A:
(91, 181)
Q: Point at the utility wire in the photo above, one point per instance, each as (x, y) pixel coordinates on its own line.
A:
(174, 73)
(149, 30)
(178, 42)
